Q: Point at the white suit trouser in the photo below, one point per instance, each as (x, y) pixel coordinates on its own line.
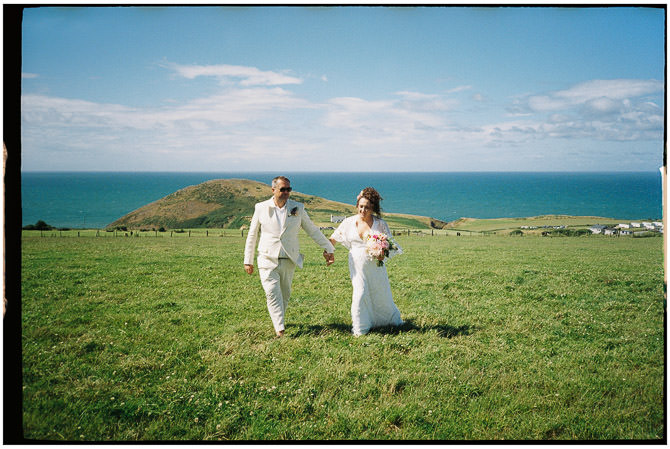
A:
(277, 285)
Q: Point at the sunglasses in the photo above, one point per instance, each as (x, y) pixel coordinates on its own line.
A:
(285, 189)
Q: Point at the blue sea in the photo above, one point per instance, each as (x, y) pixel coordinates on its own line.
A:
(95, 199)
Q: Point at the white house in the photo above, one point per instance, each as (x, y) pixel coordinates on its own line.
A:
(636, 225)
(336, 219)
(623, 226)
(658, 224)
(610, 231)
(597, 229)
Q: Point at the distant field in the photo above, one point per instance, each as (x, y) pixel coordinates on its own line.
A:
(132, 339)
(509, 224)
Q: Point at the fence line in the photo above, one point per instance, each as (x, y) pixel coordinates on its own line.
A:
(102, 233)
(233, 233)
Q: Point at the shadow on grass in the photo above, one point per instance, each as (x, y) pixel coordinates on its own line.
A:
(443, 330)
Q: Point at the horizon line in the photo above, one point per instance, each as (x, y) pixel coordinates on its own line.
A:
(343, 171)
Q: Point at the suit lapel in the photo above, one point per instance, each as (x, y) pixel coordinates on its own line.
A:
(272, 220)
(271, 209)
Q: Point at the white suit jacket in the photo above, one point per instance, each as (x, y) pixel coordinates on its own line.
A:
(273, 239)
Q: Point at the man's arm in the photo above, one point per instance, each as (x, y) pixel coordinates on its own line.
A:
(250, 246)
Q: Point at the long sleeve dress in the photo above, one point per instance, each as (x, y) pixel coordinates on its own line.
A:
(372, 303)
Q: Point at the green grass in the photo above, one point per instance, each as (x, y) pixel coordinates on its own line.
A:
(506, 338)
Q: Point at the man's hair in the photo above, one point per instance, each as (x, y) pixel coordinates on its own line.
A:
(280, 178)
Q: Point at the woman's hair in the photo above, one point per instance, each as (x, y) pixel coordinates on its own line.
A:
(373, 197)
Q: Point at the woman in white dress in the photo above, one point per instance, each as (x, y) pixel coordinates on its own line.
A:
(372, 303)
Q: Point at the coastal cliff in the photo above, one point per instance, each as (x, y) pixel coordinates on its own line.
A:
(229, 203)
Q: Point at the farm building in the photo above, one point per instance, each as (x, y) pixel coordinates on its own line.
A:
(597, 229)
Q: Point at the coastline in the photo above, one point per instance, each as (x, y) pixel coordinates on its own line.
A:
(96, 199)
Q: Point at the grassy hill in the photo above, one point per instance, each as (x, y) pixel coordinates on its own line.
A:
(229, 203)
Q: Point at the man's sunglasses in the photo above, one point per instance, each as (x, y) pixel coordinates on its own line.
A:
(285, 189)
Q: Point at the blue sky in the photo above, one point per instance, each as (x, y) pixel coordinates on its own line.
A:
(340, 88)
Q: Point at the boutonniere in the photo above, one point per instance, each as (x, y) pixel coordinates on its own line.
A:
(294, 211)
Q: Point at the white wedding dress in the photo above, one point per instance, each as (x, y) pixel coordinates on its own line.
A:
(372, 304)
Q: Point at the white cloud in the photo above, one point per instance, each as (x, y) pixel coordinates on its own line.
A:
(256, 121)
(615, 89)
(232, 107)
(391, 121)
(417, 95)
(226, 108)
(246, 76)
(417, 101)
(53, 111)
(235, 125)
(26, 75)
(604, 105)
(596, 90)
(613, 110)
(458, 89)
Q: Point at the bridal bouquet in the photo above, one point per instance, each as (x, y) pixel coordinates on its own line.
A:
(379, 244)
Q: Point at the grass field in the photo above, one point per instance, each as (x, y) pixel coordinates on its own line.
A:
(159, 338)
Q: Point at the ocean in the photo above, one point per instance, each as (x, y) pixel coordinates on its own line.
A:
(95, 199)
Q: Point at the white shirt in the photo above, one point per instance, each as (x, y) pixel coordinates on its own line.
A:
(280, 216)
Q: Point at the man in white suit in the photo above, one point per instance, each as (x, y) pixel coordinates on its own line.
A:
(279, 220)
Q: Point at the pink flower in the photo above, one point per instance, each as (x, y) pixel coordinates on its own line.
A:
(378, 245)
